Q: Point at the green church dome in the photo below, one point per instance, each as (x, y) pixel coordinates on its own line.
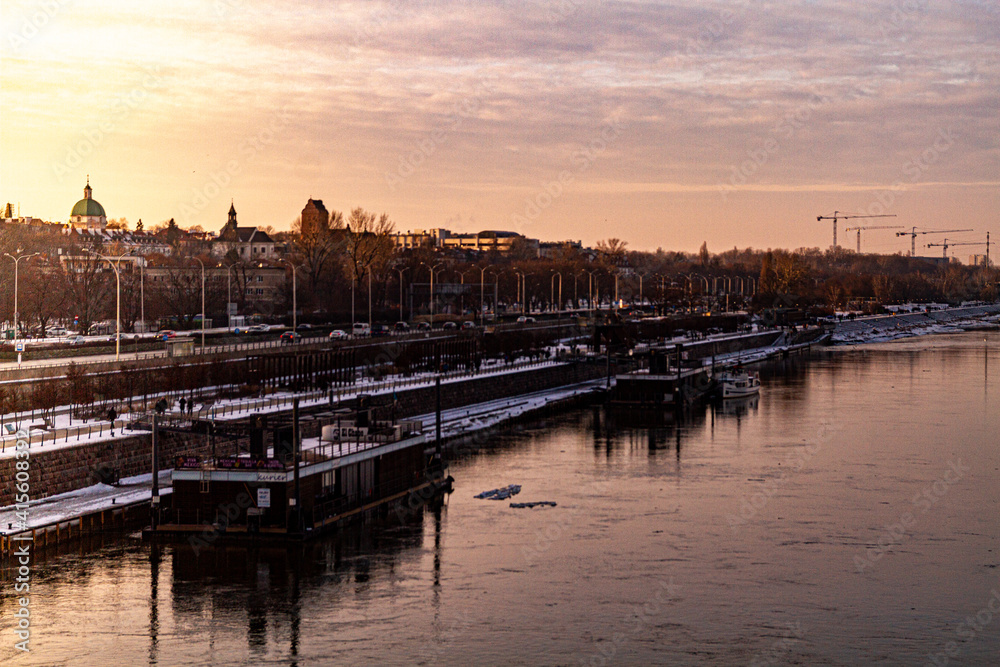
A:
(88, 207)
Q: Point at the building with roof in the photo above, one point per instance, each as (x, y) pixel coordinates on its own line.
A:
(249, 243)
(315, 218)
(484, 241)
(139, 243)
(88, 212)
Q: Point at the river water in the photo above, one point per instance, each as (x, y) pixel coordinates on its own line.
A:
(847, 516)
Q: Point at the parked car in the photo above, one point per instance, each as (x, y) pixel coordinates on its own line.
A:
(401, 327)
(304, 327)
(338, 334)
(449, 326)
(468, 325)
(55, 332)
(361, 329)
(290, 337)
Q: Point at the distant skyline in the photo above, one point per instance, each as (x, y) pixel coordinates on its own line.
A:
(664, 124)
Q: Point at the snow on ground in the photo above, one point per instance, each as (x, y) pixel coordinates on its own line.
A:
(887, 328)
(72, 504)
(455, 422)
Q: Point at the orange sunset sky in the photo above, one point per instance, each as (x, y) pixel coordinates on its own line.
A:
(662, 123)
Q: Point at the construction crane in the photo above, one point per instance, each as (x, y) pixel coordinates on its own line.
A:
(947, 245)
(837, 216)
(859, 229)
(913, 236)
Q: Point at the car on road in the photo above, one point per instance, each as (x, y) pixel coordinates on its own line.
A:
(166, 333)
(258, 328)
(56, 332)
(449, 326)
(468, 325)
(380, 331)
(75, 340)
(401, 327)
(525, 320)
(338, 334)
(304, 327)
(290, 337)
(361, 330)
(424, 326)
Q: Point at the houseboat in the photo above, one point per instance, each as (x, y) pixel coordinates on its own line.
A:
(662, 384)
(355, 466)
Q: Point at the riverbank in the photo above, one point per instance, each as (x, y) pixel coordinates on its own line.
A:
(891, 327)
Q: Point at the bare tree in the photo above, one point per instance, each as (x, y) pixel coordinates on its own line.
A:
(369, 243)
(316, 248)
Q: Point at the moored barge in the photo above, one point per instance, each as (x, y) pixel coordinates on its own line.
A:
(290, 492)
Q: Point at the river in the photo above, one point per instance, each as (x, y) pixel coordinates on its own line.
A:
(849, 515)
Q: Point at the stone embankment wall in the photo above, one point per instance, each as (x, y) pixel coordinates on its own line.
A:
(887, 323)
(70, 468)
(707, 348)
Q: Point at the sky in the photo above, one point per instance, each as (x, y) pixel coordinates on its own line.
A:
(665, 124)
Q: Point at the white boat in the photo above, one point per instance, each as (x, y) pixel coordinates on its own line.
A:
(736, 384)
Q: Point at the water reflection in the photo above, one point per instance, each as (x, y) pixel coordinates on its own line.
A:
(479, 582)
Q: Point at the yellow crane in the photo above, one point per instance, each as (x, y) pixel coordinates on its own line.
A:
(859, 229)
(913, 236)
(838, 216)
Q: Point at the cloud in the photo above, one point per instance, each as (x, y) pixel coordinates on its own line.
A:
(698, 87)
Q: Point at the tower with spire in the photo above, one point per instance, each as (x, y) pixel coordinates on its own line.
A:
(88, 213)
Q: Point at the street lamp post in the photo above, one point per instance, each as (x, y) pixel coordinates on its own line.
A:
(229, 291)
(593, 279)
(16, 261)
(557, 304)
(433, 271)
(482, 293)
(522, 296)
(203, 313)
(295, 308)
(142, 295)
(369, 298)
(400, 272)
(118, 298)
(496, 294)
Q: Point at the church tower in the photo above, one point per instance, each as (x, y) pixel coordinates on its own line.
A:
(315, 217)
